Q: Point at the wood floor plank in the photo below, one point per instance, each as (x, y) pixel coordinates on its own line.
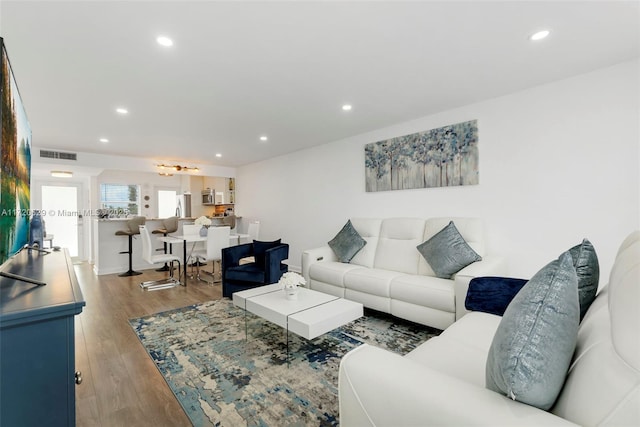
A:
(121, 385)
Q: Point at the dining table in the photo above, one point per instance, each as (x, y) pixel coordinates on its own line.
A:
(184, 239)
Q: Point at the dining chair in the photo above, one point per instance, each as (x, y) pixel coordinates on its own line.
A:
(193, 230)
(252, 233)
(148, 256)
(217, 240)
(169, 225)
(190, 229)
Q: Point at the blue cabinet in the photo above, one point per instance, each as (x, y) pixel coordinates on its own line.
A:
(37, 352)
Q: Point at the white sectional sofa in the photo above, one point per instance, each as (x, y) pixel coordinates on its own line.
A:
(442, 382)
(390, 275)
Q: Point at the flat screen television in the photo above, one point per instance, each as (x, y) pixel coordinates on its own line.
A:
(15, 170)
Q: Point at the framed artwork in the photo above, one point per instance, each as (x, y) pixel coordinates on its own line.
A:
(441, 157)
(15, 169)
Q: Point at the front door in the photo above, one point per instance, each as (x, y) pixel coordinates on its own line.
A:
(63, 217)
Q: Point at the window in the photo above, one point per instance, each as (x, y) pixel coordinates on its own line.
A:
(167, 203)
(120, 199)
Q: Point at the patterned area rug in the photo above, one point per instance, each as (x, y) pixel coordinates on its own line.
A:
(222, 379)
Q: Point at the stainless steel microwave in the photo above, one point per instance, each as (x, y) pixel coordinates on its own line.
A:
(208, 196)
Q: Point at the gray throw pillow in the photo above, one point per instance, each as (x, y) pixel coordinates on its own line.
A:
(447, 252)
(534, 343)
(587, 268)
(347, 243)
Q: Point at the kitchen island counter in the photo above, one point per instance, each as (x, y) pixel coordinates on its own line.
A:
(107, 246)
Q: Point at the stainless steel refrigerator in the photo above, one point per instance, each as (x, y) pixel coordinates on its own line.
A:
(183, 205)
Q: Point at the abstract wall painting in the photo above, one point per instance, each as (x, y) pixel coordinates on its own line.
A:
(441, 157)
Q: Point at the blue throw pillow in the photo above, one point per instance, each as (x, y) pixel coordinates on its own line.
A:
(259, 249)
(535, 340)
(447, 252)
(492, 294)
(347, 243)
(585, 261)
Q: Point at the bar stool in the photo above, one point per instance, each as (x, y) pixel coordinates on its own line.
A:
(229, 220)
(169, 225)
(133, 226)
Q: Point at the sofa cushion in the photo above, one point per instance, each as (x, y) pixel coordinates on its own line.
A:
(492, 294)
(461, 350)
(245, 273)
(587, 268)
(397, 245)
(259, 249)
(447, 252)
(369, 230)
(532, 348)
(426, 291)
(330, 272)
(347, 243)
(476, 331)
(370, 280)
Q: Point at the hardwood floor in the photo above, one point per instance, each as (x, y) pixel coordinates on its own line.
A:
(121, 386)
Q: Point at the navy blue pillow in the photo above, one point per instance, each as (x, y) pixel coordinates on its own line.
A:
(492, 294)
(259, 249)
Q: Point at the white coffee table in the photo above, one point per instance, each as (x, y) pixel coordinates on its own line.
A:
(311, 315)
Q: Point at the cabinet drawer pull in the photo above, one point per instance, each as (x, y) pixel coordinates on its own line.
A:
(78, 377)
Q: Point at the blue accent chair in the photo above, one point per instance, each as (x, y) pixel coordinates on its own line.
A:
(239, 277)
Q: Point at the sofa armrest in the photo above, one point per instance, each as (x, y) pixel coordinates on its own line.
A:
(380, 388)
(489, 266)
(311, 256)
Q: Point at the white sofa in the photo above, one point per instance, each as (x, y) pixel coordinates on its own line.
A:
(390, 275)
(442, 382)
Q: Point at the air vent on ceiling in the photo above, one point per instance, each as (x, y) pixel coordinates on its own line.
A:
(58, 155)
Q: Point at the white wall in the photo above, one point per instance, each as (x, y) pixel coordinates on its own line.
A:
(558, 162)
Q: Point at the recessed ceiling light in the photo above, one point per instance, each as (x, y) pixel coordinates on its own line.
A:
(263, 138)
(62, 174)
(105, 140)
(122, 111)
(539, 35)
(218, 155)
(346, 107)
(164, 41)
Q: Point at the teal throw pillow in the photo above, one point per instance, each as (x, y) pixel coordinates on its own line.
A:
(447, 252)
(259, 249)
(585, 261)
(532, 348)
(347, 243)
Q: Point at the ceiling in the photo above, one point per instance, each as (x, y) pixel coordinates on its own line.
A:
(239, 70)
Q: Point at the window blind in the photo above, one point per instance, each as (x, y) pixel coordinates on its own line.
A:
(122, 198)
